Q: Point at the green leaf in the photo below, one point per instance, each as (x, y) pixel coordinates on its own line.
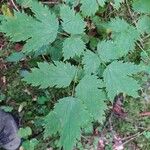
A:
(117, 3)
(117, 77)
(25, 132)
(146, 134)
(91, 62)
(142, 6)
(42, 100)
(2, 97)
(30, 144)
(118, 25)
(73, 46)
(89, 8)
(145, 67)
(93, 42)
(72, 23)
(101, 2)
(52, 124)
(92, 97)
(108, 51)
(72, 2)
(67, 111)
(37, 32)
(56, 50)
(2, 18)
(6, 108)
(111, 50)
(143, 24)
(59, 75)
(15, 57)
(25, 3)
(124, 36)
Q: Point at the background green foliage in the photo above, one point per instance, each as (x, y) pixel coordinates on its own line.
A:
(76, 57)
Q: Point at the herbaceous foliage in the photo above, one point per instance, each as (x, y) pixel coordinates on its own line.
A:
(99, 74)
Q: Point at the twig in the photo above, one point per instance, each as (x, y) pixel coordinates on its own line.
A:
(129, 137)
(84, 137)
(74, 84)
(146, 37)
(64, 34)
(144, 114)
(142, 50)
(111, 126)
(129, 11)
(106, 122)
(44, 58)
(15, 6)
(143, 128)
(132, 17)
(134, 137)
